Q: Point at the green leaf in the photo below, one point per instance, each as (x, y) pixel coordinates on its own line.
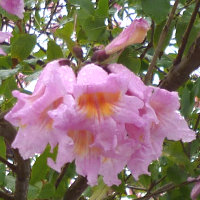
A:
(100, 191)
(7, 87)
(53, 51)
(33, 192)
(102, 10)
(65, 33)
(182, 25)
(187, 102)
(176, 174)
(22, 45)
(5, 62)
(47, 191)
(33, 76)
(130, 60)
(197, 88)
(2, 174)
(157, 9)
(10, 182)
(94, 28)
(2, 147)
(6, 73)
(40, 168)
(84, 4)
(157, 33)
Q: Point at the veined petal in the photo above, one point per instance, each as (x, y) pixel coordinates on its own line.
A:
(135, 85)
(105, 97)
(33, 139)
(65, 154)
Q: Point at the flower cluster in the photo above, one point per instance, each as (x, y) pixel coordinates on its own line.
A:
(104, 120)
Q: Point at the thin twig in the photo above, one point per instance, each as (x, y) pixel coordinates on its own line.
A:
(11, 166)
(6, 196)
(137, 188)
(197, 122)
(186, 34)
(163, 35)
(184, 150)
(166, 188)
(76, 189)
(61, 175)
(150, 43)
(52, 15)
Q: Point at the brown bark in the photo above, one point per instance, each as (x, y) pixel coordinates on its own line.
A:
(179, 73)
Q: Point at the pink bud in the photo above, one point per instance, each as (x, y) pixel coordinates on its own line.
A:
(133, 34)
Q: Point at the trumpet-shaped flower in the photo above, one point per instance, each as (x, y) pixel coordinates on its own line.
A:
(30, 113)
(15, 7)
(94, 119)
(3, 37)
(133, 34)
(162, 120)
(95, 151)
(99, 96)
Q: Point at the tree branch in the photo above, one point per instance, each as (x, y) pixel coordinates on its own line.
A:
(6, 196)
(166, 188)
(163, 35)
(11, 166)
(61, 175)
(186, 34)
(22, 167)
(179, 73)
(76, 189)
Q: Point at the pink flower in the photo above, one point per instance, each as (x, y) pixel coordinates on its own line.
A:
(195, 190)
(15, 7)
(3, 37)
(95, 151)
(133, 34)
(30, 113)
(162, 120)
(94, 118)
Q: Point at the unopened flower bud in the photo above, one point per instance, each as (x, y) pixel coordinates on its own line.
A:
(78, 52)
(99, 55)
(133, 34)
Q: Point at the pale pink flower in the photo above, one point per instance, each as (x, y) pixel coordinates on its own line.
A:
(96, 151)
(30, 113)
(99, 96)
(195, 190)
(3, 37)
(133, 34)
(162, 120)
(94, 119)
(15, 7)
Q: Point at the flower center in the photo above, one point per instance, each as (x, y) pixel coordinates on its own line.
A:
(82, 141)
(45, 117)
(98, 104)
